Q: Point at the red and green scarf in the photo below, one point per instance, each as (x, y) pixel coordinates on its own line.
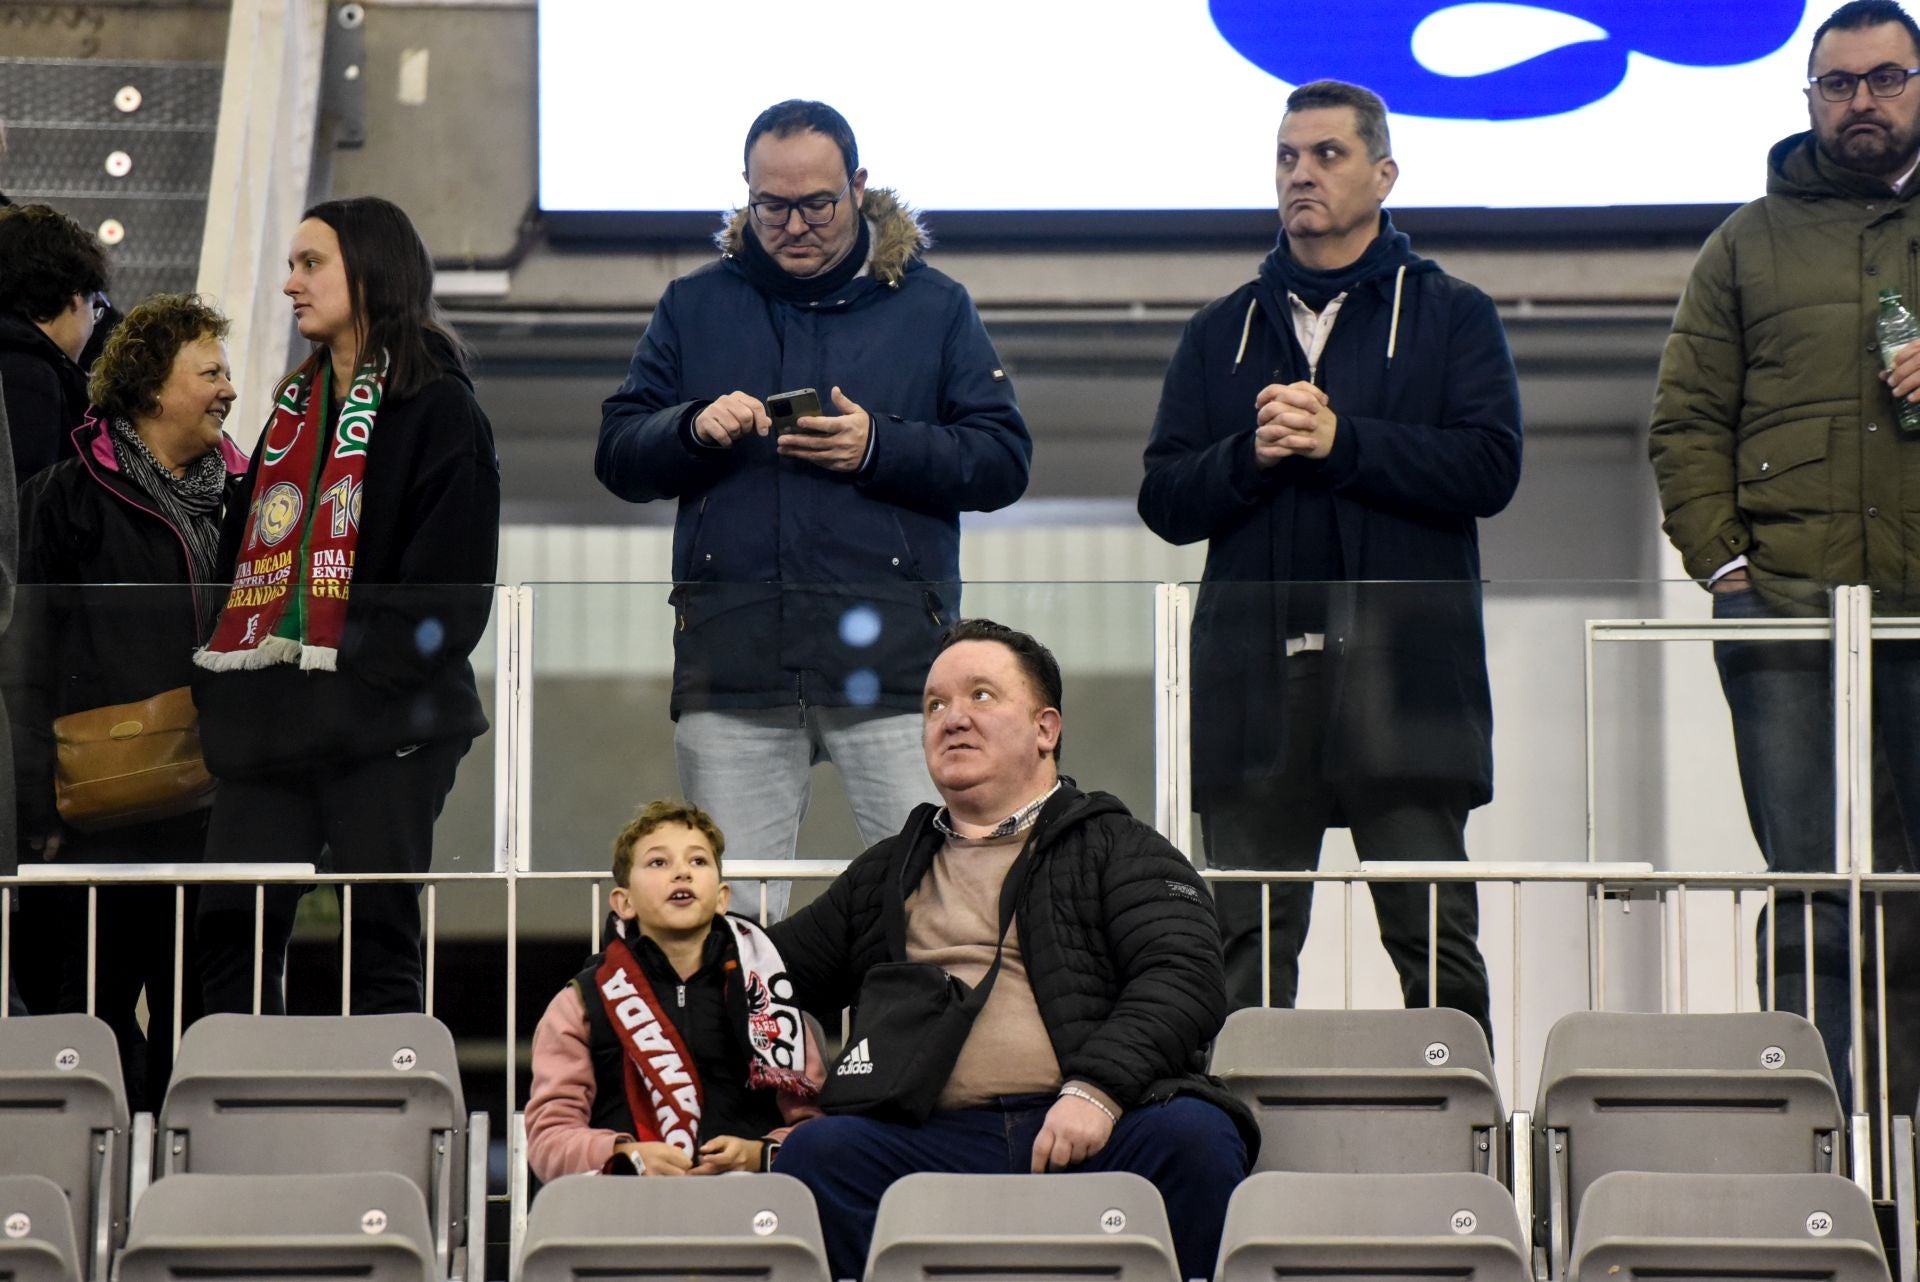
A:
(289, 598)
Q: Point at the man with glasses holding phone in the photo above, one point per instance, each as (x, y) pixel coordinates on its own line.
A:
(53, 275)
(1784, 470)
(823, 405)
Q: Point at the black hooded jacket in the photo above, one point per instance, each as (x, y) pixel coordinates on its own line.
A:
(422, 592)
(1116, 928)
(1417, 370)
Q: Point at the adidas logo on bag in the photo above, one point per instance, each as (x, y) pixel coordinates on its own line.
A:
(857, 1062)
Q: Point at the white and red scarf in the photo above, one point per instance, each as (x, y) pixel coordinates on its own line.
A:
(290, 585)
(774, 1031)
(663, 1085)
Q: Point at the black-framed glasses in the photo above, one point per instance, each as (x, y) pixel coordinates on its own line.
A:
(100, 306)
(817, 211)
(1882, 82)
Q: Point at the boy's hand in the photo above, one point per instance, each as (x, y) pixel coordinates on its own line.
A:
(656, 1158)
(728, 1153)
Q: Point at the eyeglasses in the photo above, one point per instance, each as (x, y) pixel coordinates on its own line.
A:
(1882, 82)
(816, 212)
(100, 306)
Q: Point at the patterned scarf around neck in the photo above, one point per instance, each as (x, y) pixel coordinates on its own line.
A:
(190, 502)
(289, 598)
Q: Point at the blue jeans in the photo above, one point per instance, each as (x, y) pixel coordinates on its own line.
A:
(1780, 695)
(752, 770)
(1186, 1147)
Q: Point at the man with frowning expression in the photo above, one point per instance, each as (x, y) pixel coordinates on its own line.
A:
(1784, 470)
(814, 567)
(1089, 1051)
(1342, 419)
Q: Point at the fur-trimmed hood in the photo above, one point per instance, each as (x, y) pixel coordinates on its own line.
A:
(898, 237)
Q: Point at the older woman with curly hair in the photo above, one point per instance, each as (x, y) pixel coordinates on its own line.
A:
(142, 504)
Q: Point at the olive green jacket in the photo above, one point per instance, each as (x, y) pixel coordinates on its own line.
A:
(1773, 437)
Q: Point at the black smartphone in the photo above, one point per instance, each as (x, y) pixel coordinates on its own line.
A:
(786, 408)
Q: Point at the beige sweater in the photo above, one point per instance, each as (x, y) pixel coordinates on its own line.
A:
(951, 919)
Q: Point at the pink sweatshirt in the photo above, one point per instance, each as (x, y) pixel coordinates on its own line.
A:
(561, 1137)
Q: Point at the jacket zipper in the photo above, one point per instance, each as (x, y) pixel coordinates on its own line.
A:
(680, 995)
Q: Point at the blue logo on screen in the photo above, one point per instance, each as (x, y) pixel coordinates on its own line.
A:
(1474, 61)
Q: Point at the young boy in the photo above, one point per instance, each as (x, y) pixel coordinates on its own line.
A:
(678, 1050)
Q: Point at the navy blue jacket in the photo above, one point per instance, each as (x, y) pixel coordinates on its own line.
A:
(774, 559)
(1426, 443)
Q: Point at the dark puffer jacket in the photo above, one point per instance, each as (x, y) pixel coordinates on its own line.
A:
(1116, 928)
(1773, 436)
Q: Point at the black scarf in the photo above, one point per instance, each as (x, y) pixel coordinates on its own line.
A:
(775, 281)
(1283, 273)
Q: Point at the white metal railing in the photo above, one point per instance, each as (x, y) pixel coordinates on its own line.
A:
(1602, 886)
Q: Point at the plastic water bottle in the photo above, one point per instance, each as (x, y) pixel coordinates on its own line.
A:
(1895, 329)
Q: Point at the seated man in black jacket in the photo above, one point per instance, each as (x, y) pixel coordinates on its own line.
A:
(1088, 1052)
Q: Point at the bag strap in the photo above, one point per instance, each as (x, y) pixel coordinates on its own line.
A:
(1010, 891)
(894, 916)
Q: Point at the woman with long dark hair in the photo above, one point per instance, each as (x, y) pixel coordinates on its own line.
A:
(336, 695)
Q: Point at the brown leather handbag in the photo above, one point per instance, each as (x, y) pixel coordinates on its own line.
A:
(130, 763)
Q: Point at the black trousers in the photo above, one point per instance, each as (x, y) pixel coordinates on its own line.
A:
(1279, 828)
(134, 949)
(374, 815)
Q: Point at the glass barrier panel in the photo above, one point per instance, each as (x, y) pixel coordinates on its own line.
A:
(158, 742)
(792, 714)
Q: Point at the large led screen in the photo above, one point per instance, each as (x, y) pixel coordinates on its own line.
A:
(1038, 105)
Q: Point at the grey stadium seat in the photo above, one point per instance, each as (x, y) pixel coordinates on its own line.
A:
(1739, 1094)
(1315, 1227)
(1111, 1225)
(283, 1095)
(1366, 1090)
(63, 1114)
(740, 1226)
(294, 1228)
(36, 1231)
(1640, 1225)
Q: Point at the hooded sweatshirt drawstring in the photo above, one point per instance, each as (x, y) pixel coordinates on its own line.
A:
(1246, 328)
(1389, 252)
(1393, 330)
